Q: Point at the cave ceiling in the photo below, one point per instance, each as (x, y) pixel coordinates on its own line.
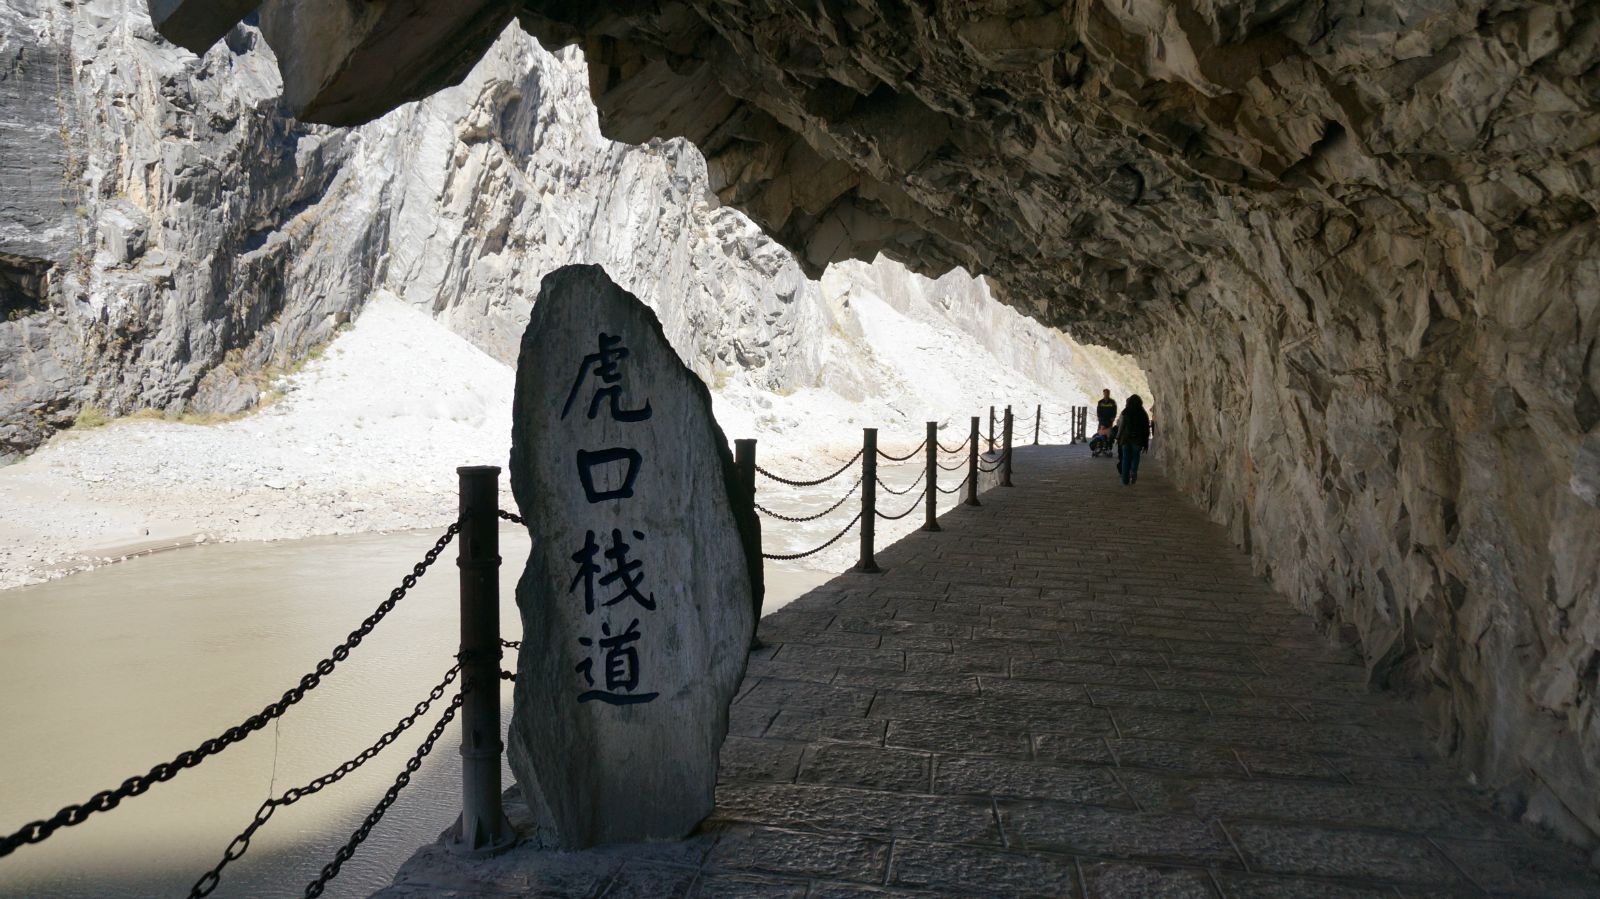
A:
(1100, 160)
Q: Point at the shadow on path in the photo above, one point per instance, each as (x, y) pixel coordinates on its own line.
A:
(1076, 689)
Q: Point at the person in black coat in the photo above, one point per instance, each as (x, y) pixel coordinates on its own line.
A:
(1133, 438)
(1106, 410)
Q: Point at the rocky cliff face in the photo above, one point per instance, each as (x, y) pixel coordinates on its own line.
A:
(1355, 244)
(169, 235)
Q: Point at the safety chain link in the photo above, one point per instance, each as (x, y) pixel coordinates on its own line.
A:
(999, 462)
(413, 764)
(799, 483)
(956, 467)
(811, 552)
(509, 516)
(958, 447)
(909, 487)
(241, 843)
(511, 644)
(956, 488)
(106, 800)
(920, 447)
(842, 500)
(914, 504)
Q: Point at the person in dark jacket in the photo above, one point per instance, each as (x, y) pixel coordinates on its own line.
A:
(1133, 438)
(1106, 410)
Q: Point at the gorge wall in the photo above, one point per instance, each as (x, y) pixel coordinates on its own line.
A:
(170, 237)
(1354, 244)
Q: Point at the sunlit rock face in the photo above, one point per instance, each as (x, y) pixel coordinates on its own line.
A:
(1354, 244)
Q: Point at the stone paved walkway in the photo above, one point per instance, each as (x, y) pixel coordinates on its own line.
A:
(1078, 689)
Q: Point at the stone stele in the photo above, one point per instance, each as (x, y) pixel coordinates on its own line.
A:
(636, 602)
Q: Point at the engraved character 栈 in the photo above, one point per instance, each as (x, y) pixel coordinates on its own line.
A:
(626, 570)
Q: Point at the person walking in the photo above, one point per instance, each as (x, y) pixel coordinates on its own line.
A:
(1133, 438)
(1106, 410)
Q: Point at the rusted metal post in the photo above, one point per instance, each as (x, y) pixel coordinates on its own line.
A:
(482, 829)
(744, 461)
(972, 465)
(1038, 418)
(991, 429)
(932, 522)
(1005, 460)
(869, 500)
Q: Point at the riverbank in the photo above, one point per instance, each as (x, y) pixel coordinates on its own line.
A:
(367, 436)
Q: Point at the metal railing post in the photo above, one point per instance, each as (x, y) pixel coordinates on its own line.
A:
(482, 829)
(1038, 418)
(1005, 460)
(932, 522)
(972, 465)
(991, 429)
(744, 461)
(869, 500)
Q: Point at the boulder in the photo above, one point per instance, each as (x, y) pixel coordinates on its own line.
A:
(636, 601)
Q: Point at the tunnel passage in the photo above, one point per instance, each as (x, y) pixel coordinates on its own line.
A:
(1354, 246)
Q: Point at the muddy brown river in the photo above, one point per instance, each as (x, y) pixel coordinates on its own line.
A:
(107, 672)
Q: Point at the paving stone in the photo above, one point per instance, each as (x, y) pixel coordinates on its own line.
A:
(768, 668)
(988, 872)
(1255, 886)
(1259, 733)
(955, 663)
(870, 767)
(1127, 697)
(835, 698)
(813, 727)
(1533, 868)
(955, 737)
(1302, 849)
(1023, 780)
(1048, 747)
(747, 886)
(911, 682)
(801, 654)
(791, 852)
(1185, 757)
(646, 881)
(1330, 803)
(992, 711)
(1114, 880)
(744, 758)
(879, 814)
(1262, 763)
(1113, 833)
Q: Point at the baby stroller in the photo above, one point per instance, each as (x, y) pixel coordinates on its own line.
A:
(1100, 443)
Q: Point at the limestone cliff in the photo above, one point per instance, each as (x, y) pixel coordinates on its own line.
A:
(1354, 243)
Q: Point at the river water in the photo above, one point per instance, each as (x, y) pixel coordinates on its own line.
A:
(107, 672)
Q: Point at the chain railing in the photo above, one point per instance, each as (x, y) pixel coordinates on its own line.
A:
(966, 455)
(106, 800)
(483, 828)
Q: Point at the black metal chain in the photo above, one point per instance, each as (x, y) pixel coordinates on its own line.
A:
(957, 448)
(920, 447)
(908, 488)
(999, 462)
(842, 500)
(106, 800)
(956, 488)
(811, 552)
(956, 467)
(511, 644)
(510, 516)
(241, 843)
(914, 504)
(800, 483)
(413, 764)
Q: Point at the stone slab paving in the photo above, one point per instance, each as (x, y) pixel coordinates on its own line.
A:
(1080, 690)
